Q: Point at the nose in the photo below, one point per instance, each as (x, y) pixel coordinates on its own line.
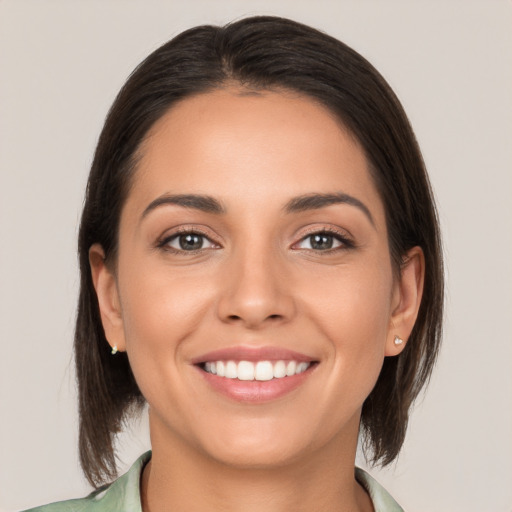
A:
(256, 290)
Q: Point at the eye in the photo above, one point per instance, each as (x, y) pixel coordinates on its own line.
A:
(323, 241)
(189, 241)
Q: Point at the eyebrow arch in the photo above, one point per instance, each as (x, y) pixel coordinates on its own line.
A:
(196, 201)
(317, 201)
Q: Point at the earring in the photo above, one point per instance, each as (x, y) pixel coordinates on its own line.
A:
(114, 350)
(398, 341)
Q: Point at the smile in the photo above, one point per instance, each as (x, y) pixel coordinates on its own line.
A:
(260, 370)
(255, 374)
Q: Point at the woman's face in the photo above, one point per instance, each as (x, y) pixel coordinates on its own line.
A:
(253, 242)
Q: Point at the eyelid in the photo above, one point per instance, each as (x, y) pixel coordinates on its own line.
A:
(347, 241)
(163, 241)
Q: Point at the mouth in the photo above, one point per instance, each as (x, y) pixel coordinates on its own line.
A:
(256, 371)
(255, 374)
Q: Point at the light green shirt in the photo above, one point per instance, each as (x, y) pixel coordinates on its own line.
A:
(123, 495)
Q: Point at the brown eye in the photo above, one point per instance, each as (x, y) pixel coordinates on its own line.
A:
(188, 242)
(321, 242)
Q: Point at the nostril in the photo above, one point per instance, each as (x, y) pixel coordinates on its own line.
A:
(271, 317)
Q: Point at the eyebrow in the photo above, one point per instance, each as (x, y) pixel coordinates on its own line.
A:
(196, 201)
(317, 201)
(297, 204)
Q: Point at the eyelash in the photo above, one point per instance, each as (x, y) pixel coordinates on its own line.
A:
(346, 242)
(164, 243)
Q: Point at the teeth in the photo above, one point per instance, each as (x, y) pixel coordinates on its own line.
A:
(264, 371)
(279, 370)
(302, 367)
(261, 371)
(290, 368)
(245, 370)
(231, 372)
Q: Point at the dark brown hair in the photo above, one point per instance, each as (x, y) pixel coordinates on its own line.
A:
(263, 53)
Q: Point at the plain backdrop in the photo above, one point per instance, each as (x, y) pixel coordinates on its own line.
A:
(450, 62)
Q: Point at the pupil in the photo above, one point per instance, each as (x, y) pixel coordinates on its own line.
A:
(191, 242)
(321, 242)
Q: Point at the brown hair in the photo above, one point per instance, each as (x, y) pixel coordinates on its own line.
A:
(265, 53)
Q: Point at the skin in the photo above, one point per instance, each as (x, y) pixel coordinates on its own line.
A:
(257, 281)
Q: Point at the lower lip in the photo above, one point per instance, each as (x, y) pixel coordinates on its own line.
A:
(256, 391)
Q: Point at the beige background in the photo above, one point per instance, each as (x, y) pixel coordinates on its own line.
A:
(62, 62)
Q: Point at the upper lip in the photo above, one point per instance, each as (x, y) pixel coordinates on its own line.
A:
(245, 353)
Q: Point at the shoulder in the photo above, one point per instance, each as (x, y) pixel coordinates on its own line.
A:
(94, 502)
(122, 495)
(381, 499)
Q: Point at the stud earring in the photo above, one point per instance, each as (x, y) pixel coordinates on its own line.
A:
(114, 350)
(398, 341)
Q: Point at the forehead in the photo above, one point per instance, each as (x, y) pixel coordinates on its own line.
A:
(222, 122)
(260, 145)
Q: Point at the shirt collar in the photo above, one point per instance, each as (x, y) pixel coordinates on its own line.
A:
(124, 493)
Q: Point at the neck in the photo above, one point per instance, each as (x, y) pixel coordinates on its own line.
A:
(180, 477)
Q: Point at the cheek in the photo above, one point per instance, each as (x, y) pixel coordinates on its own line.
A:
(352, 303)
(160, 304)
(352, 310)
(161, 308)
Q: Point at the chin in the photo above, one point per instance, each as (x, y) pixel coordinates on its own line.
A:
(256, 457)
(261, 447)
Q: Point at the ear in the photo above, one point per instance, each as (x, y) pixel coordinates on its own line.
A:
(406, 300)
(108, 298)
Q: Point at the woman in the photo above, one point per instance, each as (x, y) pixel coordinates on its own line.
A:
(260, 263)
